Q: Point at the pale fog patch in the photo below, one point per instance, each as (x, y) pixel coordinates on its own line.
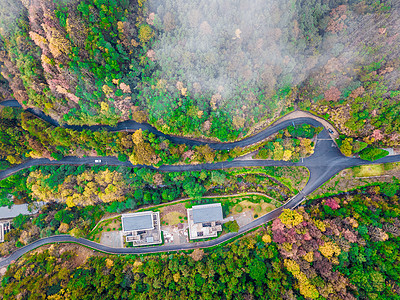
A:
(216, 47)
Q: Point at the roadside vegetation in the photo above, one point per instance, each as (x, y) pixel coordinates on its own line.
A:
(24, 136)
(381, 177)
(351, 147)
(291, 144)
(110, 224)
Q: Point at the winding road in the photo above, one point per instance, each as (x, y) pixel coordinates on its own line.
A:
(326, 161)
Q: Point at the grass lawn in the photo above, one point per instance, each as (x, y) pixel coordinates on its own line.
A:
(357, 177)
(293, 177)
(172, 218)
(368, 170)
(237, 204)
(113, 224)
(259, 209)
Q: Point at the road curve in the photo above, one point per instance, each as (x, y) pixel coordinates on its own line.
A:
(132, 126)
(326, 161)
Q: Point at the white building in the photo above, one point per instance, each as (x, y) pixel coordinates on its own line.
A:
(142, 228)
(205, 220)
(4, 228)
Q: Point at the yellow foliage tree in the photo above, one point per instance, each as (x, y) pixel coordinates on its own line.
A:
(290, 218)
(109, 263)
(57, 43)
(145, 33)
(306, 147)
(206, 152)
(309, 256)
(292, 266)
(143, 153)
(106, 89)
(308, 290)
(266, 238)
(287, 155)
(320, 225)
(104, 106)
(329, 249)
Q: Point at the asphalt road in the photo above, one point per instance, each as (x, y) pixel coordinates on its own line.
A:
(132, 126)
(326, 161)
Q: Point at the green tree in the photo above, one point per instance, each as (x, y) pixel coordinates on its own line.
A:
(257, 270)
(372, 154)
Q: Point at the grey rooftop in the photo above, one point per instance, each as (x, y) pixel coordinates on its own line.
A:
(207, 213)
(137, 221)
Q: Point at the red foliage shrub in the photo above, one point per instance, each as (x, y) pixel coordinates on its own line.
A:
(279, 237)
(332, 203)
(333, 94)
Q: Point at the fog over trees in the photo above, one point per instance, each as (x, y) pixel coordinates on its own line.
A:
(220, 47)
(238, 54)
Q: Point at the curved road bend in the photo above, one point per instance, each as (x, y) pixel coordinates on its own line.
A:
(326, 161)
(132, 125)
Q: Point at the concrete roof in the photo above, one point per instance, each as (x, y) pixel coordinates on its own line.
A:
(207, 213)
(137, 221)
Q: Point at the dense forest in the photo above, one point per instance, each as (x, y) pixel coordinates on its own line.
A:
(170, 64)
(338, 248)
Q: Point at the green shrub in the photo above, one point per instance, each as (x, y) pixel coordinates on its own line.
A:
(122, 157)
(231, 226)
(372, 154)
(389, 189)
(358, 146)
(258, 209)
(238, 208)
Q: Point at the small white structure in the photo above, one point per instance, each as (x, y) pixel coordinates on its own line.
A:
(205, 220)
(4, 228)
(142, 228)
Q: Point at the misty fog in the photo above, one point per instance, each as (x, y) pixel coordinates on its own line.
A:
(219, 46)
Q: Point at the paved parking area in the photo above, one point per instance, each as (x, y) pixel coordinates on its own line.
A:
(112, 239)
(175, 235)
(244, 218)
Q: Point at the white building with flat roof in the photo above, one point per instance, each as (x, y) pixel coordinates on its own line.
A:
(205, 220)
(4, 228)
(142, 228)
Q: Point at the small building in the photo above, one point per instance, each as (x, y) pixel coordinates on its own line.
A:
(142, 228)
(4, 228)
(205, 220)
